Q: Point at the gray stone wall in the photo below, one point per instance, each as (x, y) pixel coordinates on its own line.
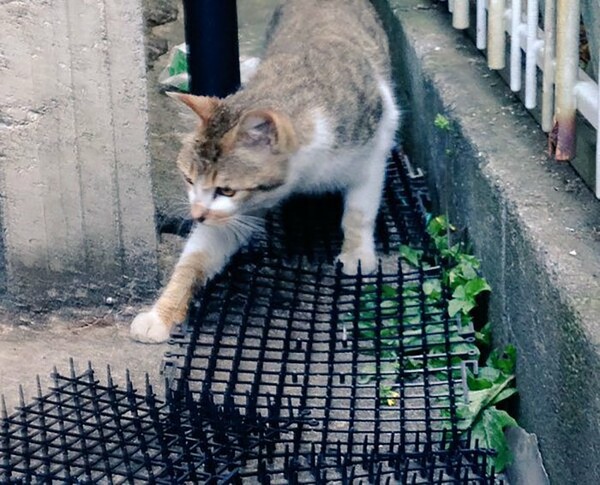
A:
(76, 207)
(531, 220)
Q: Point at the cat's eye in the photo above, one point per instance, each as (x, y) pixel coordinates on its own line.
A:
(225, 191)
(188, 180)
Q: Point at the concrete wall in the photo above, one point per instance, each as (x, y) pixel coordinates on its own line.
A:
(532, 222)
(76, 206)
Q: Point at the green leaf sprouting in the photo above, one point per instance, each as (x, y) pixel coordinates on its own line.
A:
(400, 327)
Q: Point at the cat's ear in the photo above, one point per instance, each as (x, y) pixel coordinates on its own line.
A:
(203, 106)
(267, 129)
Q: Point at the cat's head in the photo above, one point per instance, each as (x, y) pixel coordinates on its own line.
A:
(233, 162)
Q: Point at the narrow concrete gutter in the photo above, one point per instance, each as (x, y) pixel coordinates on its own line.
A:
(532, 222)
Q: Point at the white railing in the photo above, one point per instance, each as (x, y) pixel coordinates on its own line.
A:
(554, 49)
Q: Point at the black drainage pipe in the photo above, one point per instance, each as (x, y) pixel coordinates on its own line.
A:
(211, 32)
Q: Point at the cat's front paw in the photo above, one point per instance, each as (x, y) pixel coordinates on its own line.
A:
(148, 328)
(350, 262)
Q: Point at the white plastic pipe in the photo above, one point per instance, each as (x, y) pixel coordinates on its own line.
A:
(567, 63)
(481, 40)
(496, 40)
(451, 6)
(531, 54)
(548, 65)
(515, 46)
(598, 144)
(586, 91)
(460, 14)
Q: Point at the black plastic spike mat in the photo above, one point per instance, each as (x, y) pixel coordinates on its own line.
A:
(287, 371)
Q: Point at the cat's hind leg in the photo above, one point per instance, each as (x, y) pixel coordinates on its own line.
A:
(363, 197)
(206, 252)
(361, 205)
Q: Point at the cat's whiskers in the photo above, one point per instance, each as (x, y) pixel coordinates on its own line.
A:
(179, 210)
(245, 225)
(254, 223)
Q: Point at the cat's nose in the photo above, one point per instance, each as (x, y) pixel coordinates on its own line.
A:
(198, 212)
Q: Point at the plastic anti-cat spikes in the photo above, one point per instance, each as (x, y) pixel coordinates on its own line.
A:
(287, 371)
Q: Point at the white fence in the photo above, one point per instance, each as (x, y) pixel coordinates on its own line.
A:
(554, 49)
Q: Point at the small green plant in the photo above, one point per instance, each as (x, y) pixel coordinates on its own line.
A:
(493, 384)
(442, 123)
(460, 274)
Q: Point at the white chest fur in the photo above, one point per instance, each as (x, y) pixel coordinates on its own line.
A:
(319, 167)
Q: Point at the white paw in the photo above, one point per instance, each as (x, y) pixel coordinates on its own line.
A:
(147, 327)
(350, 261)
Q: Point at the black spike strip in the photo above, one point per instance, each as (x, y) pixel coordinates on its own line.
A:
(427, 385)
(287, 371)
(83, 431)
(425, 391)
(331, 372)
(355, 312)
(295, 332)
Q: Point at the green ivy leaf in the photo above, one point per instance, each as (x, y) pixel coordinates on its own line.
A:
(433, 288)
(489, 432)
(505, 394)
(389, 292)
(491, 374)
(480, 400)
(484, 336)
(441, 122)
(504, 360)
(478, 383)
(467, 270)
(411, 255)
(459, 305)
(460, 293)
(476, 286)
(439, 226)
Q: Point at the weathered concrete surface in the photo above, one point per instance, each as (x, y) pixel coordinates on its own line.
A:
(100, 336)
(32, 344)
(76, 206)
(166, 123)
(533, 223)
(527, 467)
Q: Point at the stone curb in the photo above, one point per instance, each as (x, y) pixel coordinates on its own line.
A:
(532, 222)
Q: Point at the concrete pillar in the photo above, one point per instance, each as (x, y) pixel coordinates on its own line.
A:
(76, 206)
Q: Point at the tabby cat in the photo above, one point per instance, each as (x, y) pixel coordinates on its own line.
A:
(318, 115)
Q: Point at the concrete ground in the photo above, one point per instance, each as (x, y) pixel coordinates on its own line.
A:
(31, 344)
(29, 349)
